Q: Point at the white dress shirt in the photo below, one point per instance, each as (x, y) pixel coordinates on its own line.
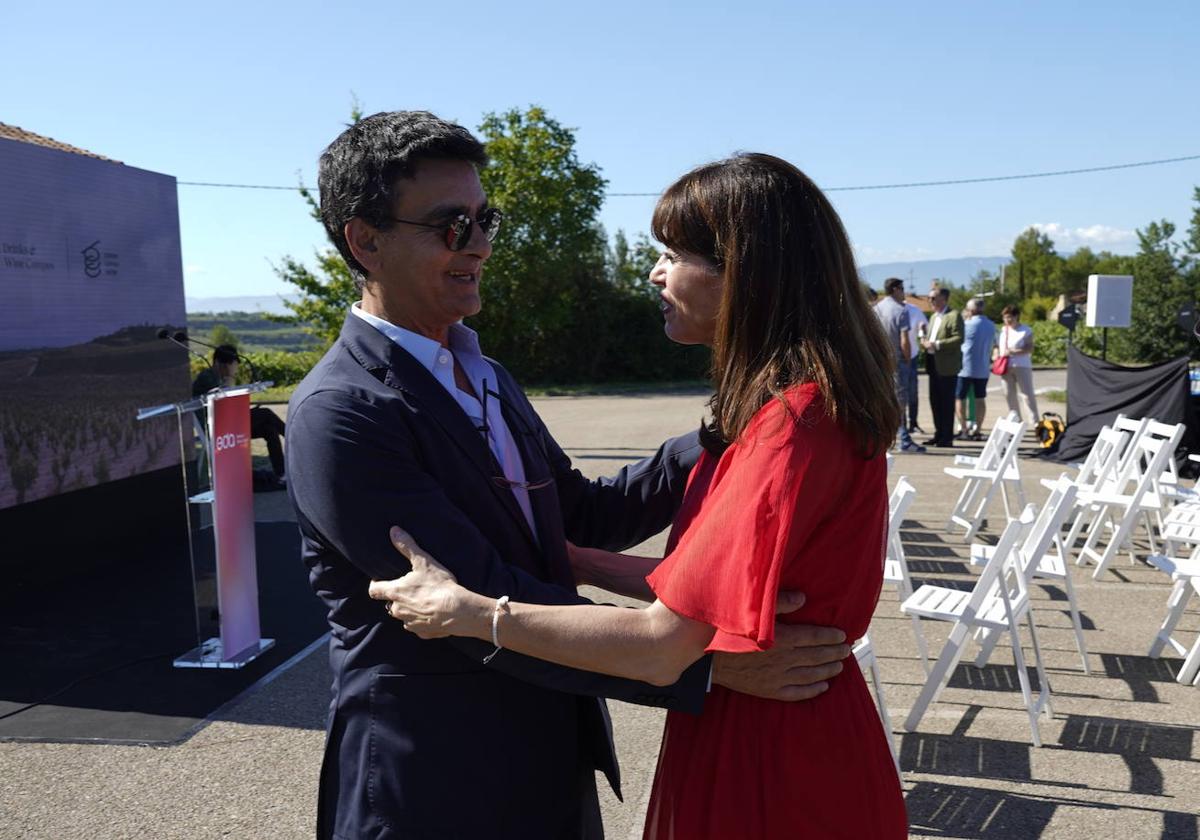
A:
(439, 360)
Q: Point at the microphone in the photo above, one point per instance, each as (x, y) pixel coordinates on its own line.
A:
(181, 335)
(174, 339)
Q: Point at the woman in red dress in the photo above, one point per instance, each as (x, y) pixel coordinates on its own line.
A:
(789, 495)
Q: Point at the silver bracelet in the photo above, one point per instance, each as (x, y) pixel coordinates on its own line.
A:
(501, 603)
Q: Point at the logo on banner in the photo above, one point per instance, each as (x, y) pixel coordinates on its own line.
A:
(231, 441)
(97, 262)
(92, 264)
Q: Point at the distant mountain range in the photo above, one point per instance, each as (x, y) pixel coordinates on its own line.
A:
(917, 275)
(266, 304)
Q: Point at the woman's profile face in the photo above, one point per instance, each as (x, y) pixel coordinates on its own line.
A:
(691, 295)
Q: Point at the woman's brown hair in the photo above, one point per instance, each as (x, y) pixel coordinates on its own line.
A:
(792, 306)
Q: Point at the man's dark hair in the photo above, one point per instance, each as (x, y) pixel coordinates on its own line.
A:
(359, 170)
(892, 284)
(225, 354)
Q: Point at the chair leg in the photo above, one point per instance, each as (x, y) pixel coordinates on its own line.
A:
(884, 717)
(939, 676)
(1095, 528)
(1120, 535)
(1181, 593)
(1190, 672)
(922, 647)
(988, 640)
(960, 509)
(977, 517)
(1023, 678)
(1045, 696)
(1081, 520)
(1075, 622)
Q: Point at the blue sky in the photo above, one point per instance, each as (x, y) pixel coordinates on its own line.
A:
(853, 93)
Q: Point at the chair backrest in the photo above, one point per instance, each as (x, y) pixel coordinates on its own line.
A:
(1147, 463)
(1136, 460)
(1046, 527)
(1000, 449)
(1104, 458)
(987, 587)
(1165, 431)
(895, 568)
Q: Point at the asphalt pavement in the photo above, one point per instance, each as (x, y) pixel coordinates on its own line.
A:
(1120, 757)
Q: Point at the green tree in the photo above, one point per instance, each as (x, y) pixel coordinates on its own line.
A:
(222, 334)
(1076, 268)
(559, 303)
(327, 292)
(1036, 265)
(630, 265)
(547, 270)
(1159, 288)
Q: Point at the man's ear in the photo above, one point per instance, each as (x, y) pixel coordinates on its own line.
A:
(363, 240)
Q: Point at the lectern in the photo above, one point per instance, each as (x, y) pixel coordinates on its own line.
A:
(225, 450)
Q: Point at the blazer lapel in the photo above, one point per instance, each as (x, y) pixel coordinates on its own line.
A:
(425, 395)
(543, 501)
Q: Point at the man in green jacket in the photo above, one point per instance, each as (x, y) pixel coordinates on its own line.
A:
(943, 358)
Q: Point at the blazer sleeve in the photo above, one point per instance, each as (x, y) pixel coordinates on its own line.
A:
(952, 332)
(353, 472)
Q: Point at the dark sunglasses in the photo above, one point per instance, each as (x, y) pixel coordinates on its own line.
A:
(458, 230)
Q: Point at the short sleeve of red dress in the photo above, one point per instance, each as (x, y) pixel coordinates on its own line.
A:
(765, 495)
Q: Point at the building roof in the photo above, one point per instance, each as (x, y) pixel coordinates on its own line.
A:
(12, 132)
(919, 301)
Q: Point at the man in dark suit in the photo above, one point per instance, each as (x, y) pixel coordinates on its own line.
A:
(943, 358)
(405, 422)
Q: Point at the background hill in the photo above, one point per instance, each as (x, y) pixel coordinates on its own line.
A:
(957, 271)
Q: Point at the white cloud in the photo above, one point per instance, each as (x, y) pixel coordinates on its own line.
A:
(1096, 237)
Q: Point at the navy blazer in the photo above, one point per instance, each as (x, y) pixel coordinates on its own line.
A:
(423, 739)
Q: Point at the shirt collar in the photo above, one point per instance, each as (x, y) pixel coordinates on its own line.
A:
(464, 341)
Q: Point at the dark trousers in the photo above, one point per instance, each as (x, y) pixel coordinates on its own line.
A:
(265, 424)
(912, 393)
(941, 401)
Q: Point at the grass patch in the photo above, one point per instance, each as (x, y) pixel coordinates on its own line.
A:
(1055, 396)
(276, 394)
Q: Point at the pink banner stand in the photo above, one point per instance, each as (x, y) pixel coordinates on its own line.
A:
(228, 454)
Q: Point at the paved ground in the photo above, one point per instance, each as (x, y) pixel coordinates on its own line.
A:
(1120, 757)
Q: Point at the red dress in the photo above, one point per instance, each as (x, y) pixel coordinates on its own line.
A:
(789, 506)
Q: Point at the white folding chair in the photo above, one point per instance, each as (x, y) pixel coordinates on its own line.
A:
(994, 469)
(1181, 526)
(1102, 464)
(864, 654)
(895, 566)
(1041, 555)
(998, 601)
(1118, 503)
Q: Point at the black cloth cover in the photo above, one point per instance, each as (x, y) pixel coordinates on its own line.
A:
(1097, 391)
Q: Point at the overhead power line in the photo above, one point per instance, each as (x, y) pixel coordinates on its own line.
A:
(900, 186)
